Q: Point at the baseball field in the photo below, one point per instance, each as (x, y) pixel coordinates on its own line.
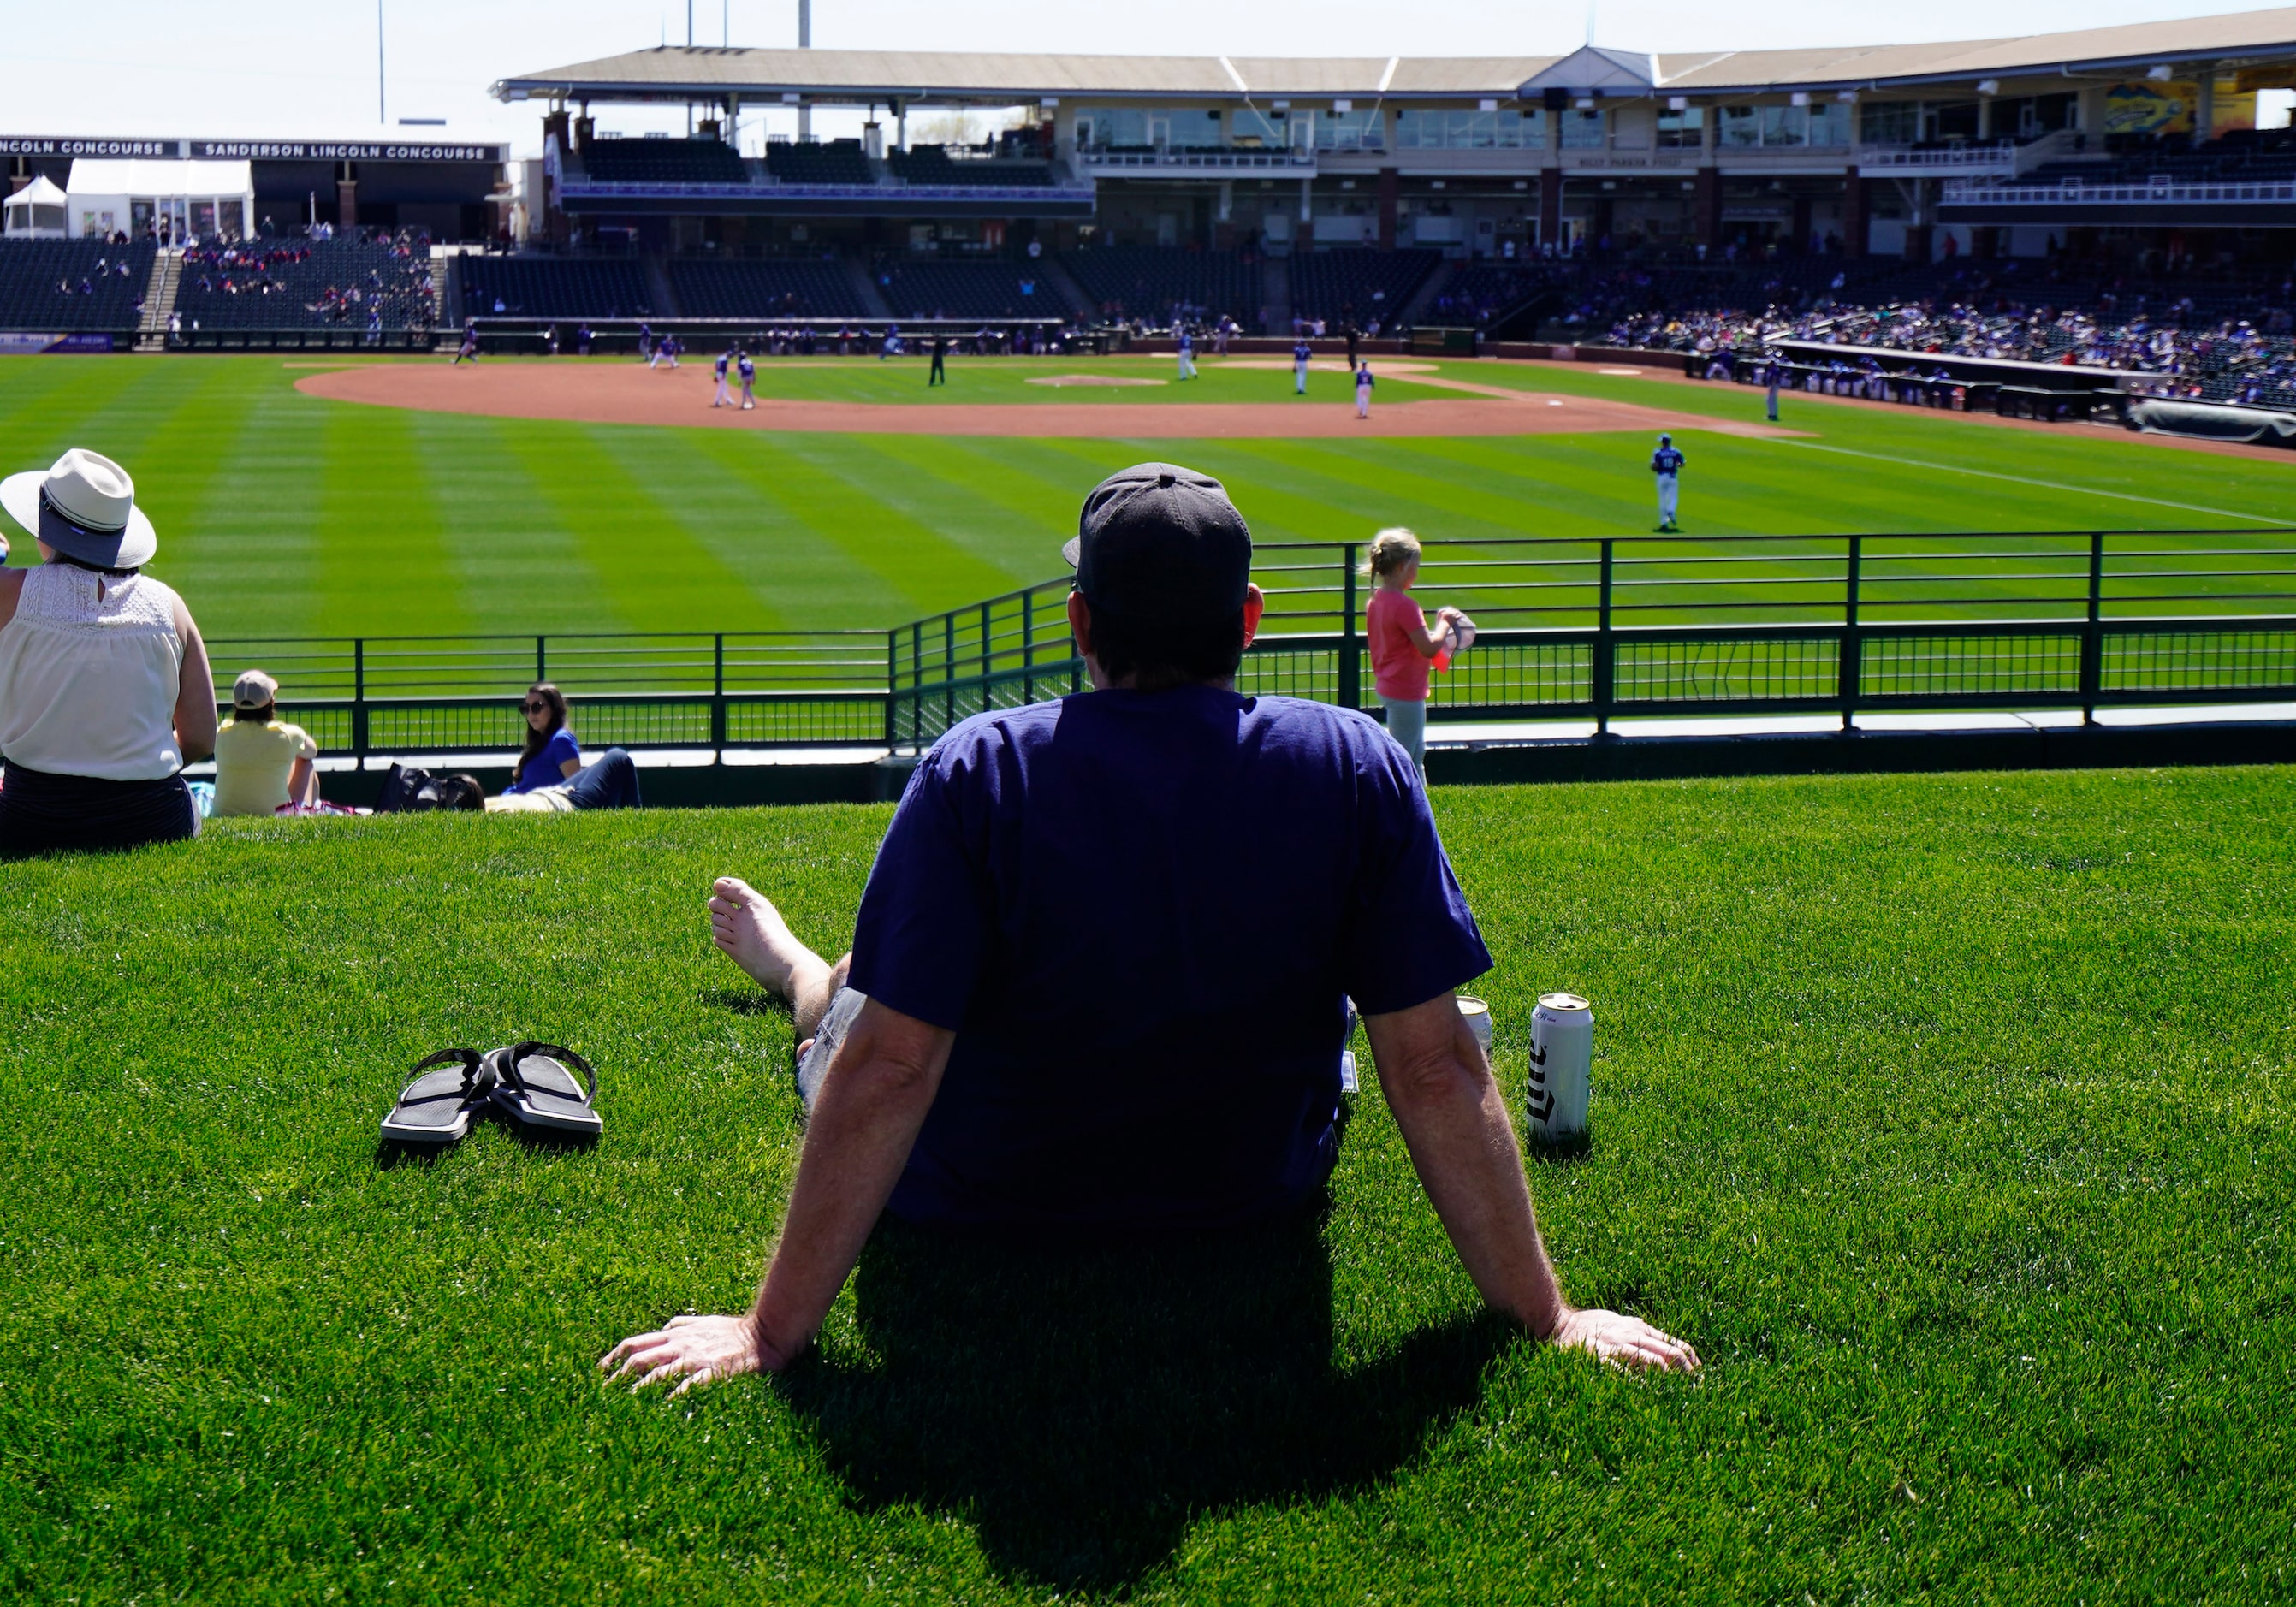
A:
(282, 511)
(1949, 1116)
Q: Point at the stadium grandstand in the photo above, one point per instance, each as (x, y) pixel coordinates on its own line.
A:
(1576, 197)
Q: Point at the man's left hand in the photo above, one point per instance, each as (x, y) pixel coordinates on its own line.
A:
(691, 1350)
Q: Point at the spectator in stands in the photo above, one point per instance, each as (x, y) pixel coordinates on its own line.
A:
(972, 1062)
(1401, 645)
(104, 687)
(262, 762)
(550, 754)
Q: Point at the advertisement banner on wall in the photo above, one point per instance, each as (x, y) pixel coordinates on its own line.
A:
(13, 344)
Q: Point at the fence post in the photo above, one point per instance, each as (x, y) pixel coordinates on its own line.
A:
(1849, 675)
(1029, 645)
(1605, 649)
(917, 682)
(892, 687)
(541, 660)
(1351, 654)
(359, 701)
(984, 659)
(2092, 659)
(948, 668)
(717, 698)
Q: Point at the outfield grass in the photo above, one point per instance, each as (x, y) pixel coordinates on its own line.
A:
(281, 513)
(1949, 1116)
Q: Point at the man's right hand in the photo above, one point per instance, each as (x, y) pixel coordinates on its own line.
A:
(1627, 1341)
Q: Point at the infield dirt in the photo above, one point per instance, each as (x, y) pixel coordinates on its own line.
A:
(627, 394)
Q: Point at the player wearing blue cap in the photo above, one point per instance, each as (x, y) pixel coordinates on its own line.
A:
(1666, 464)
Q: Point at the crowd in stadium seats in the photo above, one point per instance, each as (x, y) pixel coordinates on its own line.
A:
(796, 289)
(970, 290)
(71, 286)
(2198, 347)
(371, 281)
(1164, 282)
(543, 287)
(1368, 288)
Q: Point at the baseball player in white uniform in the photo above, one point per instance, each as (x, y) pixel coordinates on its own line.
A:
(1187, 345)
(1666, 466)
(724, 396)
(1363, 382)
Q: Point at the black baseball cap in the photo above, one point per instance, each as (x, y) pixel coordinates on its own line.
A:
(1161, 545)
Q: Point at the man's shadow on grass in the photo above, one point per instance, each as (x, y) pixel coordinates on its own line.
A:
(1082, 1407)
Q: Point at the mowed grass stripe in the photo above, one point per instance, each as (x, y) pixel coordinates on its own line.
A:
(382, 511)
(259, 544)
(513, 565)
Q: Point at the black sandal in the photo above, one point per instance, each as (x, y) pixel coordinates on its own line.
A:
(436, 1106)
(535, 1082)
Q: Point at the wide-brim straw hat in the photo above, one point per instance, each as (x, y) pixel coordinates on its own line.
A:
(84, 507)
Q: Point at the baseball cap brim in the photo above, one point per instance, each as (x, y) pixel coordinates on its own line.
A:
(1071, 550)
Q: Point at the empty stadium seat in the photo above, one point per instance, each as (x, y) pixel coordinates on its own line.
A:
(1359, 283)
(932, 165)
(543, 287)
(765, 289)
(35, 274)
(972, 290)
(836, 162)
(671, 161)
(1151, 282)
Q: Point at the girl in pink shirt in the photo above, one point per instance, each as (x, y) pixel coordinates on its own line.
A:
(1401, 644)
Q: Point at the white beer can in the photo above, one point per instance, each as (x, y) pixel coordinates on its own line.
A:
(1477, 1015)
(1561, 1059)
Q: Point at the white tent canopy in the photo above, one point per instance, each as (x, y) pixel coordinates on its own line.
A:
(36, 211)
(205, 199)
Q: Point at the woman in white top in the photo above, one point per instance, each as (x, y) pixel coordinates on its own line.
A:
(104, 687)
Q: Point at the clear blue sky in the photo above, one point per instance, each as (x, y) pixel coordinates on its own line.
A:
(308, 70)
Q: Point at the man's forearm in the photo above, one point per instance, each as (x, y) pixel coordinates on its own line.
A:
(1455, 1123)
(872, 1101)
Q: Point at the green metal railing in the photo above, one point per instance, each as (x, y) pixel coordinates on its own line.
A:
(1596, 627)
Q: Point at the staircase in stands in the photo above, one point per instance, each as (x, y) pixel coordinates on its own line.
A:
(159, 300)
(1276, 291)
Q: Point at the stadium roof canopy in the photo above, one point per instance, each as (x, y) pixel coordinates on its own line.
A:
(689, 74)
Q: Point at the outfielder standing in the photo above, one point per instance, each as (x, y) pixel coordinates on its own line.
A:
(725, 361)
(1363, 382)
(1187, 353)
(1300, 353)
(1666, 464)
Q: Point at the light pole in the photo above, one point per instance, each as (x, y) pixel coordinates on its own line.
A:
(380, 115)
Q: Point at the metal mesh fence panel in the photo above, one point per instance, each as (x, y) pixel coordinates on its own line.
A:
(1948, 666)
(1739, 669)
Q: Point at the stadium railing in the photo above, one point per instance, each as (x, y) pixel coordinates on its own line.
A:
(1600, 628)
(1613, 627)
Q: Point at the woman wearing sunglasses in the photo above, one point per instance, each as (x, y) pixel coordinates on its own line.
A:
(551, 756)
(549, 774)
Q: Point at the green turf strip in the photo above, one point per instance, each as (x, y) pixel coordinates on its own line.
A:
(1949, 1116)
(282, 514)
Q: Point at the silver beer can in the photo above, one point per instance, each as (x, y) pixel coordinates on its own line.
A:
(1562, 1061)
(1477, 1015)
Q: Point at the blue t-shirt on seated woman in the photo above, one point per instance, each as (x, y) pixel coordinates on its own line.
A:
(547, 768)
(1140, 913)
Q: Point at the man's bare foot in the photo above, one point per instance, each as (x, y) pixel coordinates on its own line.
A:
(745, 923)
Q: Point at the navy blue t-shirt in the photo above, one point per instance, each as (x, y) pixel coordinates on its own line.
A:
(1140, 912)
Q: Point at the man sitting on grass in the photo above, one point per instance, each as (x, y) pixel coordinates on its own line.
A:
(1099, 977)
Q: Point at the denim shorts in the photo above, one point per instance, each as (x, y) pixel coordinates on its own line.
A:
(813, 1065)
